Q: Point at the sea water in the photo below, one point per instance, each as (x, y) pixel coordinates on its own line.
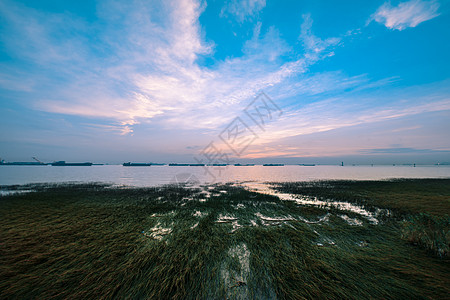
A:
(160, 175)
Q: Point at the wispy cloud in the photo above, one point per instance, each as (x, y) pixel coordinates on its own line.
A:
(122, 130)
(344, 112)
(313, 43)
(152, 74)
(406, 14)
(242, 9)
(406, 128)
(400, 151)
(346, 135)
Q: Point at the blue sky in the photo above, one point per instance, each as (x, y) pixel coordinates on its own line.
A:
(113, 81)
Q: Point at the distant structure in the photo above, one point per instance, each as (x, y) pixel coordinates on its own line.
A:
(62, 163)
(130, 164)
(342, 163)
(23, 163)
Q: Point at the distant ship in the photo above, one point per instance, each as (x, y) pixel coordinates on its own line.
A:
(307, 165)
(130, 164)
(273, 165)
(63, 163)
(244, 165)
(186, 165)
(23, 163)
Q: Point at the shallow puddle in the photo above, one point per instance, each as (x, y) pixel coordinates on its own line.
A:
(265, 188)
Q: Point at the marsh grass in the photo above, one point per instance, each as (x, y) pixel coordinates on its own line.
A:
(428, 231)
(403, 196)
(97, 241)
(422, 205)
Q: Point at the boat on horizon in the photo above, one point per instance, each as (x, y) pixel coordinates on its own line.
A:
(22, 163)
(130, 164)
(62, 163)
(37, 162)
(186, 165)
(273, 165)
(307, 165)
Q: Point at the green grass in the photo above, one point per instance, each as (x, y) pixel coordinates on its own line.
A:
(95, 241)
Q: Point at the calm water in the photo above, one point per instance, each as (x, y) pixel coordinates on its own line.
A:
(157, 175)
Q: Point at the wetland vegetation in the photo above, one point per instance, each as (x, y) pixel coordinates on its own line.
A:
(75, 241)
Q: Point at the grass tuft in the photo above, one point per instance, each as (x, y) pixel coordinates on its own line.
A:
(428, 231)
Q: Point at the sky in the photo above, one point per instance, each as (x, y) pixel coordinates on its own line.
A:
(177, 81)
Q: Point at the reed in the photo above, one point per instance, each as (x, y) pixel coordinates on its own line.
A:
(96, 241)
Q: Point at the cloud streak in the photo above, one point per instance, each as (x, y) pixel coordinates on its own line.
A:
(242, 9)
(152, 74)
(334, 113)
(406, 14)
(401, 151)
